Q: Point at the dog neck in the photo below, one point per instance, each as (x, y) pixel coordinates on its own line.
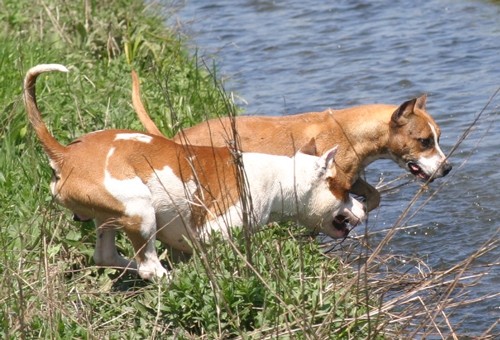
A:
(363, 139)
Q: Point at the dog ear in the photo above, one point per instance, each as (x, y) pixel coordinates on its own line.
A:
(421, 101)
(400, 116)
(326, 161)
(310, 148)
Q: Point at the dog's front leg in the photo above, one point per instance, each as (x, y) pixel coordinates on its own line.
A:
(372, 196)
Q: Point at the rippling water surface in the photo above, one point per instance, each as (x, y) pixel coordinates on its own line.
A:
(303, 55)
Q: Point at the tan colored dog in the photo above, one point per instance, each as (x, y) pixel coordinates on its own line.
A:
(152, 188)
(406, 134)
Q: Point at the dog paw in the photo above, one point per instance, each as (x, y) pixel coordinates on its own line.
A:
(152, 272)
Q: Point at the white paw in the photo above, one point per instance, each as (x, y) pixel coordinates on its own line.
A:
(151, 271)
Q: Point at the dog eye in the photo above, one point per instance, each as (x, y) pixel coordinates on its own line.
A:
(426, 142)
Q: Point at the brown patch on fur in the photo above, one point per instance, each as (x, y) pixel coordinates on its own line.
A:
(132, 227)
(339, 184)
(214, 173)
(78, 183)
(211, 169)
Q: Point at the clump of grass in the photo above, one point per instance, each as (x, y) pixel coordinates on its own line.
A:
(289, 288)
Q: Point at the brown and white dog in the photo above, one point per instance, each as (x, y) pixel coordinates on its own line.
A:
(406, 134)
(152, 187)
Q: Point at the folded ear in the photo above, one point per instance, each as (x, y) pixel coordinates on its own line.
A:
(310, 148)
(327, 159)
(403, 112)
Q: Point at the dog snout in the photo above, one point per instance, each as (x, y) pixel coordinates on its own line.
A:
(354, 221)
(447, 168)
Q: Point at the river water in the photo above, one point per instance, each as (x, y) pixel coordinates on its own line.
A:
(285, 57)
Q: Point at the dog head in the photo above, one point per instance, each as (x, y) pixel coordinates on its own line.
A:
(414, 141)
(324, 198)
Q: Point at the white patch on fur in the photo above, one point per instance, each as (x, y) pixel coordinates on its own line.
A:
(270, 183)
(233, 217)
(354, 211)
(135, 197)
(432, 163)
(276, 184)
(137, 201)
(53, 181)
(284, 188)
(172, 200)
(138, 137)
(436, 142)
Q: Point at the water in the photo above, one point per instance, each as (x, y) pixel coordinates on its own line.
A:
(303, 55)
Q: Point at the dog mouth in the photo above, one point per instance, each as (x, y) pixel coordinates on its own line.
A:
(340, 226)
(417, 171)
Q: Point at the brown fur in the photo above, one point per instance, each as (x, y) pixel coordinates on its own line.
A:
(363, 133)
(79, 169)
(148, 185)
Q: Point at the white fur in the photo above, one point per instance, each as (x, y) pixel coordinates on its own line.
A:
(436, 142)
(281, 188)
(172, 200)
(431, 164)
(47, 68)
(137, 200)
(139, 137)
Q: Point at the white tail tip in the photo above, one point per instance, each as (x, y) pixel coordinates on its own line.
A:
(35, 70)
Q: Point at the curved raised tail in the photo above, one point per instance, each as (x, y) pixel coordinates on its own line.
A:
(139, 107)
(51, 146)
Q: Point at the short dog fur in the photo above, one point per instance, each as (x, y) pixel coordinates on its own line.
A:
(407, 134)
(152, 187)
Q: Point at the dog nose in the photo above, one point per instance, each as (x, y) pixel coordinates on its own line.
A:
(447, 168)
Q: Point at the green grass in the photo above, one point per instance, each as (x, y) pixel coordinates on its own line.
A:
(289, 287)
(277, 284)
(49, 287)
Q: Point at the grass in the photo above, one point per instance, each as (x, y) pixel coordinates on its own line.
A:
(281, 284)
(293, 294)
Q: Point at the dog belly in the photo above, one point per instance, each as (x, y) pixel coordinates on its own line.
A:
(172, 228)
(233, 217)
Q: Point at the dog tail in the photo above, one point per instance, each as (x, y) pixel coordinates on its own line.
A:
(51, 146)
(139, 108)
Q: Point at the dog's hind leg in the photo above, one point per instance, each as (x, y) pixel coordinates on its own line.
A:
(141, 230)
(106, 253)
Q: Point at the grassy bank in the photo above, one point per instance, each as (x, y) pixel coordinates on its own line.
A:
(50, 287)
(281, 284)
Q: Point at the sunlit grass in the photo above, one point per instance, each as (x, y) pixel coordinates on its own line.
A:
(278, 285)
